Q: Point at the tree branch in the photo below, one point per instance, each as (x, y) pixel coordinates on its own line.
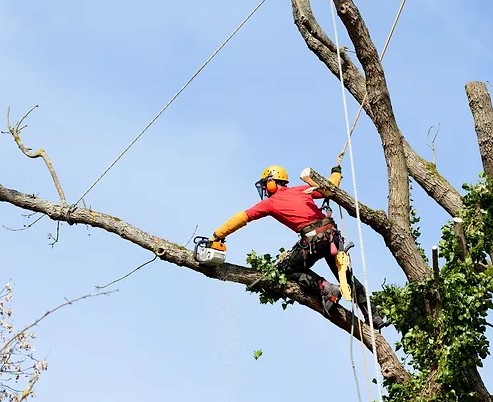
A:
(482, 113)
(178, 255)
(41, 153)
(320, 44)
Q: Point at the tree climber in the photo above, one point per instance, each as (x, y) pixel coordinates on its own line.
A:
(295, 208)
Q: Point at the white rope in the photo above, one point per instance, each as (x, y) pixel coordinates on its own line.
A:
(355, 190)
(171, 101)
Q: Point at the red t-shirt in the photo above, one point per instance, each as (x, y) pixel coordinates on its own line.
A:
(290, 206)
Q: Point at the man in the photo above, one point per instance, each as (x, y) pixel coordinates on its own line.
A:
(295, 208)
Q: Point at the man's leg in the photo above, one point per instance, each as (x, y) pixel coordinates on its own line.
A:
(378, 321)
(296, 265)
(360, 295)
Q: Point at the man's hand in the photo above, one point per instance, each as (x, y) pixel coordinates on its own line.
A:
(214, 237)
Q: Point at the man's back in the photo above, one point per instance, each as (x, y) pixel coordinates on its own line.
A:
(290, 206)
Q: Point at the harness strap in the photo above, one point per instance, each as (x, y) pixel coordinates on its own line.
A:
(318, 226)
(319, 230)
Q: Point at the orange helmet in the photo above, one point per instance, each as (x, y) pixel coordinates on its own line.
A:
(272, 173)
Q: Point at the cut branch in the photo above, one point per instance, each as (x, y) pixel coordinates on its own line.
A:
(461, 238)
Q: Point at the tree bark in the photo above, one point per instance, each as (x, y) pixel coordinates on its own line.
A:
(482, 113)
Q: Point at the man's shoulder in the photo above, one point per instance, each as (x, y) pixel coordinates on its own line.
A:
(301, 187)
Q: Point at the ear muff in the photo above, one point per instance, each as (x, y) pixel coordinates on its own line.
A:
(271, 186)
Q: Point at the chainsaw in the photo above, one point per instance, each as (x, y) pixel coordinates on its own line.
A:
(209, 252)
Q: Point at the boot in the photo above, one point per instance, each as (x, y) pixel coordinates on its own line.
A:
(378, 321)
(330, 294)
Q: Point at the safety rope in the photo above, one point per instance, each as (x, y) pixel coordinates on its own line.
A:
(171, 100)
(353, 315)
(355, 190)
(358, 114)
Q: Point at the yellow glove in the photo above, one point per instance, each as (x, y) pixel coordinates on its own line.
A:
(214, 237)
(234, 223)
(335, 176)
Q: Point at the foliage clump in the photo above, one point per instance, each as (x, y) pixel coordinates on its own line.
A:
(268, 266)
(442, 321)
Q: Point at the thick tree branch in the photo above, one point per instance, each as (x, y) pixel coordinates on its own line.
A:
(318, 41)
(432, 182)
(482, 113)
(178, 255)
(383, 115)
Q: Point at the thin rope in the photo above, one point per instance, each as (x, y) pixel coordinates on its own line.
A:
(360, 109)
(354, 306)
(358, 218)
(172, 100)
(365, 364)
(351, 353)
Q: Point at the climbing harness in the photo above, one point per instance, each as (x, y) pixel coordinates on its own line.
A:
(171, 101)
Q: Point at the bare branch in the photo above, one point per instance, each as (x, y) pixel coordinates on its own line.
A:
(41, 153)
(37, 321)
(25, 226)
(127, 275)
(431, 143)
(176, 254)
(318, 41)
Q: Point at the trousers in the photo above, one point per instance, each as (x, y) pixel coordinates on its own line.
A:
(306, 252)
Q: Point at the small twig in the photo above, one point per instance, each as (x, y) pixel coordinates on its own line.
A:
(127, 275)
(55, 239)
(432, 143)
(29, 387)
(255, 282)
(25, 226)
(41, 153)
(29, 215)
(36, 322)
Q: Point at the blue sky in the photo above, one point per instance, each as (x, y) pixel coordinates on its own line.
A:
(99, 72)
